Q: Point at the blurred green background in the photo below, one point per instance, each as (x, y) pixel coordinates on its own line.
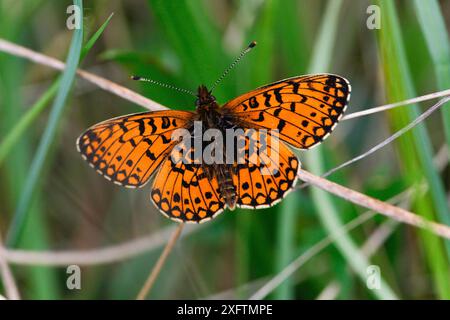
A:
(50, 199)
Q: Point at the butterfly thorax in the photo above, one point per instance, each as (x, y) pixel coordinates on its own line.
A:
(207, 108)
(209, 114)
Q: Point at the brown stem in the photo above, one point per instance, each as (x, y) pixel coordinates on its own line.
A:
(9, 282)
(159, 264)
(381, 207)
(103, 83)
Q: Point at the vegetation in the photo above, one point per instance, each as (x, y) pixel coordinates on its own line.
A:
(53, 203)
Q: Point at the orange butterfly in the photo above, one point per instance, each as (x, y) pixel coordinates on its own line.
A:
(129, 150)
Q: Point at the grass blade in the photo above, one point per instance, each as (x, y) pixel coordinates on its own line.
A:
(13, 136)
(314, 159)
(42, 282)
(195, 39)
(433, 27)
(287, 215)
(49, 134)
(20, 128)
(90, 43)
(414, 147)
(247, 227)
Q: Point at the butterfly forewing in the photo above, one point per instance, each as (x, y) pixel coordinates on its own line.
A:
(303, 109)
(128, 149)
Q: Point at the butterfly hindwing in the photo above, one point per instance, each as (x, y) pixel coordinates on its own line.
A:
(128, 149)
(267, 175)
(303, 109)
(184, 192)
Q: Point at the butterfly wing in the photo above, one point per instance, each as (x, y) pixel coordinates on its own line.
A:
(303, 109)
(184, 192)
(268, 173)
(128, 149)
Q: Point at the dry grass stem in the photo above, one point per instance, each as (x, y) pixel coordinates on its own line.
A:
(159, 264)
(376, 205)
(9, 282)
(134, 97)
(443, 155)
(103, 83)
(369, 248)
(95, 256)
(369, 111)
(312, 251)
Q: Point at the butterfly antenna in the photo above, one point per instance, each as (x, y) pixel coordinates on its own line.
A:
(165, 85)
(235, 62)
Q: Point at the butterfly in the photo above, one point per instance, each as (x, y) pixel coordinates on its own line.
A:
(134, 149)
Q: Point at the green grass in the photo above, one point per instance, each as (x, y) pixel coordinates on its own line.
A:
(415, 148)
(64, 204)
(435, 33)
(13, 137)
(40, 281)
(329, 214)
(48, 137)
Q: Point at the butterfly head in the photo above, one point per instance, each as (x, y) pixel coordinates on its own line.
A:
(204, 98)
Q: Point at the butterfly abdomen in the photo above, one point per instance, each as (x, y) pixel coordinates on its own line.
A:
(227, 190)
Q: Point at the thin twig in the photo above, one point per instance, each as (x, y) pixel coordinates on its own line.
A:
(95, 256)
(385, 107)
(296, 264)
(278, 279)
(388, 140)
(330, 292)
(159, 264)
(235, 292)
(370, 246)
(391, 138)
(441, 158)
(376, 205)
(8, 279)
(378, 237)
(134, 97)
(103, 83)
